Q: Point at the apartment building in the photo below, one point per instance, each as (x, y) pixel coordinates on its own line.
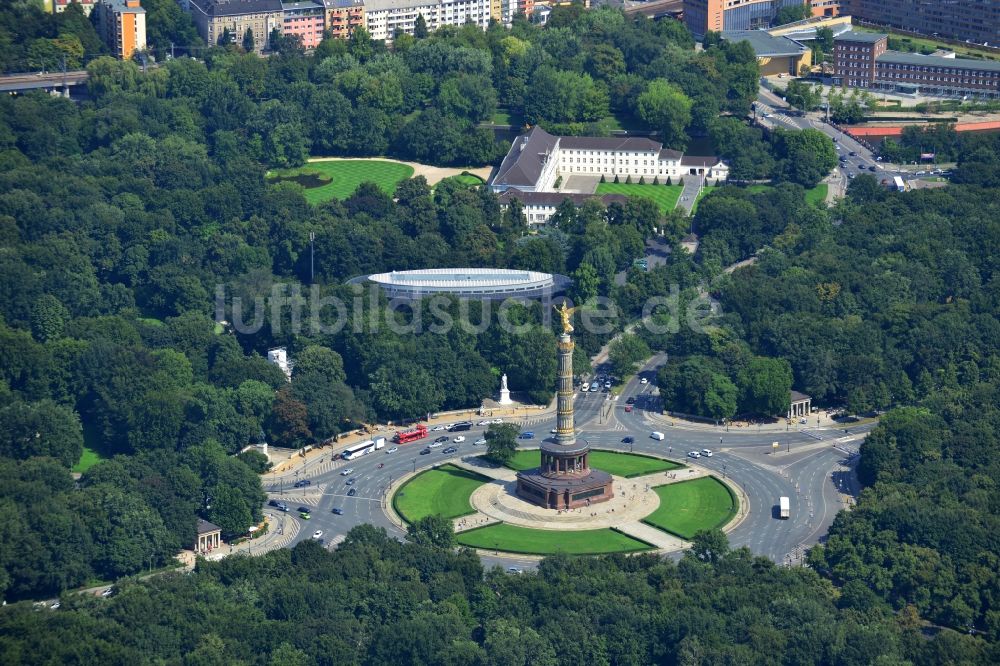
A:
(342, 16)
(305, 19)
(974, 20)
(122, 26)
(854, 56)
(701, 16)
(385, 17)
(213, 17)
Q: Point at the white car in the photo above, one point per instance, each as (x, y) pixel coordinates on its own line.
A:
(480, 441)
(497, 421)
(439, 428)
(347, 472)
(392, 450)
(459, 439)
(318, 534)
(707, 453)
(434, 445)
(694, 454)
(484, 423)
(643, 381)
(553, 431)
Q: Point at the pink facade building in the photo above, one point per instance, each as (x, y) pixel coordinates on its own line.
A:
(307, 19)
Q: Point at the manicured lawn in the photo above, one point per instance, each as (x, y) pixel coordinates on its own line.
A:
(690, 506)
(817, 195)
(443, 491)
(338, 179)
(664, 196)
(618, 464)
(467, 179)
(88, 459)
(514, 539)
(702, 193)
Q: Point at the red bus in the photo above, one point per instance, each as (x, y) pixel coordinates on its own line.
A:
(405, 436)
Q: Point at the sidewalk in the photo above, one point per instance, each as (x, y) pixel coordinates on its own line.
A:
(281, 531)
(821, 419)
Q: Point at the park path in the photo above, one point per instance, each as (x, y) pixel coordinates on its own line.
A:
(473, 464)
(433, 174)
(692, 186)
(652, 535)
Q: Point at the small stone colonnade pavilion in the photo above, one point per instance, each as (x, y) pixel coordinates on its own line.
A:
(799, 405)
(209, 537)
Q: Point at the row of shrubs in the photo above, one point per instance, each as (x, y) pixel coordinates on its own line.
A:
(642, 180)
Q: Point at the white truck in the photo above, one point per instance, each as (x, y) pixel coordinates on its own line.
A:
(784, 508)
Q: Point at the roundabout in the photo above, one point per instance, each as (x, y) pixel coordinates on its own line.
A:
(653, 510)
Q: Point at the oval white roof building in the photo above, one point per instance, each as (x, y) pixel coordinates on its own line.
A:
(474, 283)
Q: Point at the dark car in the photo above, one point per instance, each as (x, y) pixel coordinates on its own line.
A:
(352, 481)
(441, 440)
(871, 168)
(853, 154)
(630, 401)
(424, 452)
(273, 503)
(338, 511)
(352, 492)
(304, 509)
(527, 435)
(450, 449)
(303, 483)
(628, 440)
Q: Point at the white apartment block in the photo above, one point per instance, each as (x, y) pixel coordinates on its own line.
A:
(384, 17)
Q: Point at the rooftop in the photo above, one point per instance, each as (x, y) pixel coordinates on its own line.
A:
(798, 397)
(524, 161)
(765, 44)
(556, 198)
(205, 527)
(236, 7)
(938, 61)
(443, 278)
(608, 143)
(858, 36)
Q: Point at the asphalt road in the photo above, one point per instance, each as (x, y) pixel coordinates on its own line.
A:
(808, 468)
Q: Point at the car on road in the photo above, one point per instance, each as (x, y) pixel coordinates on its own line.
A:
(644, 380)
(282, 507)
(425, 451)
(436, 444)
(628, 409)
(852, 154)
(459, 439)
(497, 421)
(628, 440)
(630, 401)
(352, 481)
(110, 592)
(439, 428)
(483, 423)
(305, 515)
(55, 606)
(527, 435)
(352, 492)
(347, 472)
(337, 511)
(513, 570)
(303, 483)
(273, 503)
(871, 168)
(450, 449)
(318, 534)
(694, 454)
(441, 440)
(707, 453)
(392, 450)
(480, 441)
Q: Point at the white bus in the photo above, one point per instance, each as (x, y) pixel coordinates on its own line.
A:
(784, 510)
(363, 448)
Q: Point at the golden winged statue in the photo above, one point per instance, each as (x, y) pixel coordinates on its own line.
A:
(566, 314)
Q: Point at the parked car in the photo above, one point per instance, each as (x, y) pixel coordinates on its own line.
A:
(110, 592)
(338, 511)
(352, 492)
(347, 472)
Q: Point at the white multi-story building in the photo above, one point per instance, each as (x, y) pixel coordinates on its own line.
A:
(384, 17)
(537, 159)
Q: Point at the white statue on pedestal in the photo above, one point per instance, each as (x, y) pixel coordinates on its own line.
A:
(505, 392)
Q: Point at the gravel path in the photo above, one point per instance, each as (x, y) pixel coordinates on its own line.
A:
(433, 174)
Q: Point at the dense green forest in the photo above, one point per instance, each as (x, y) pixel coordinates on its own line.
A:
(122, 219)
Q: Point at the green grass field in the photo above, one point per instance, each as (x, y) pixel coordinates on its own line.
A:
(343, 177)
(690, 506)
(467, 179)
(618, 464)
(817, 195)
(442, 491)
(88, 459)
(664, 196)
(514, 539)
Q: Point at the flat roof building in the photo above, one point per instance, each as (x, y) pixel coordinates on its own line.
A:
(122, 26)
(700, 16)
(474, 283)
(974, 20)
(775, 54)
